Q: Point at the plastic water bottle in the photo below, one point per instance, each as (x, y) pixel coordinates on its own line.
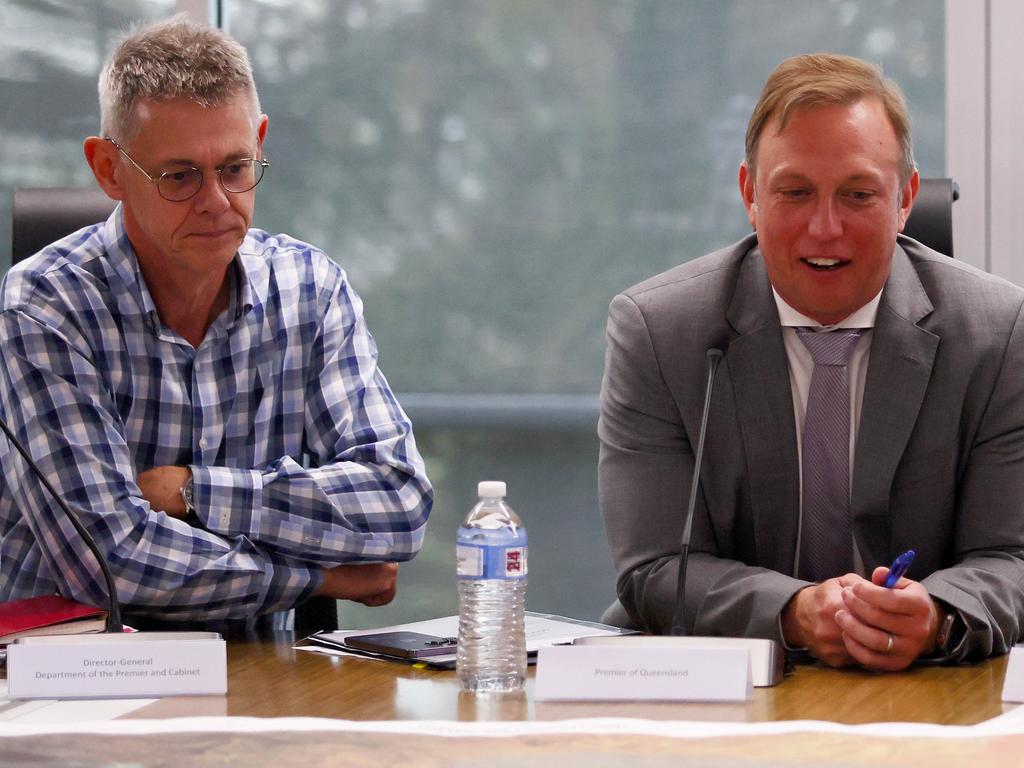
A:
(491, 553)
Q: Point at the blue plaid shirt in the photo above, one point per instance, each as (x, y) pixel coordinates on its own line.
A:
(100, 390)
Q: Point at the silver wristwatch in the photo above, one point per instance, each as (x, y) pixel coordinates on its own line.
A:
(951, 633)
(187, 496)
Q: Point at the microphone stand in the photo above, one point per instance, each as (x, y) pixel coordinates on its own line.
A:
(766, 656)
(113, 608)
(714, 357)
(49, 667)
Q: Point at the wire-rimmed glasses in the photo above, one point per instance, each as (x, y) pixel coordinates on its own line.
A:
(180, 185)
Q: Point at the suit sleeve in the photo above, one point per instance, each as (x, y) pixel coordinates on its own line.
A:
(645, 469)
(985, 580)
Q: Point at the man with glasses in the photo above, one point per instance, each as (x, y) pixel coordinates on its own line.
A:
(205, 395)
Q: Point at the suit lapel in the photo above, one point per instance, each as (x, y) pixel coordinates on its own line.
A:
(759, 374)
(899, 369)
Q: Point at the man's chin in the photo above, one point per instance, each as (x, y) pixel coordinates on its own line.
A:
(207, 259)
(214, 247)
(831, 314)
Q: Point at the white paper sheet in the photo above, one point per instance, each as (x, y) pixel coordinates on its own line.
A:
(458, 729)
(542, 630)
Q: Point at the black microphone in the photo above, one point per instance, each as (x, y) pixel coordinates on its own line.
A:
(714, 357)
(113, 609)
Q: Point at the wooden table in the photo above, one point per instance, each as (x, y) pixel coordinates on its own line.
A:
(269, 679)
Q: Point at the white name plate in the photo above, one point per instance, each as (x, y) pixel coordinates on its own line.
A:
(144, 664)
(1013, 683)
(767, 659)
(611, 673)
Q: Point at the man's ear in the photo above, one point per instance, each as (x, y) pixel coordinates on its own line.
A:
(747, 193)
(102, 157)
(261, 129)
(907, 196)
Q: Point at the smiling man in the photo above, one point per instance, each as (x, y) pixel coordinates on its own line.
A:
(205, 395)
(869, 401)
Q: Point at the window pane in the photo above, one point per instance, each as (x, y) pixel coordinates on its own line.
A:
(50, 57)
(491, 174)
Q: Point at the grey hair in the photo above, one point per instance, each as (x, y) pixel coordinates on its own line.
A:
(172, 59)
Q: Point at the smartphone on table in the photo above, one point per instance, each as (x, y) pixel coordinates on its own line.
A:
(404, 645)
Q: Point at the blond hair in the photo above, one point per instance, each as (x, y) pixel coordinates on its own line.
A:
(814, 80)
(172, 59)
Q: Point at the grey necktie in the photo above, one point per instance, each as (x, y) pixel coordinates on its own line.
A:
(826, 541)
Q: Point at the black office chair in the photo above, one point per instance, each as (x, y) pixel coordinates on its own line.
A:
(931, 220)
(319, 613)
(43, 215)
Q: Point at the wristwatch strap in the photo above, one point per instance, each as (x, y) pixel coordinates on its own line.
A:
(951, 636)
(187, 496)
(942, 637)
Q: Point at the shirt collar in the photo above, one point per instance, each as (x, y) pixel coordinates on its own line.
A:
(862, 318)
(253, 274)
(124, 262)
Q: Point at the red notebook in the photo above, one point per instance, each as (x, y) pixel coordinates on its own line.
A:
(48, 615)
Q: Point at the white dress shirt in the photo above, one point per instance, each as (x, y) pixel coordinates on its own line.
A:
(801, 366)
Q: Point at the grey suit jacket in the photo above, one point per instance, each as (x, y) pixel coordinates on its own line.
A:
(938, 466)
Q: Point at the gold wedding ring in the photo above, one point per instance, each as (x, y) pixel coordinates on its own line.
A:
(888, 646)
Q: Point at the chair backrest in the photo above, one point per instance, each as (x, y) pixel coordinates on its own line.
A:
(931, 219)
(42, 215)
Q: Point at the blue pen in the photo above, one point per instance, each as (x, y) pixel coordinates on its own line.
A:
(898, 568)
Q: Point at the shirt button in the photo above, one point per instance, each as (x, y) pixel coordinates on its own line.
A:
(202, 443)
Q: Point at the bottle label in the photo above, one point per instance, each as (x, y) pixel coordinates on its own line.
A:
(491, 562)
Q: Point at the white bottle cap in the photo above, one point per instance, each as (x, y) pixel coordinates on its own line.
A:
(491, 489)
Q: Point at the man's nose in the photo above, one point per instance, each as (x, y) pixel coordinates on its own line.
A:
(211, 197)
(826, 221)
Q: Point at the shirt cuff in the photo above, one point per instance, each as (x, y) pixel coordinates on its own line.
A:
(228, 501)
(782, 639)
(288, 586)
